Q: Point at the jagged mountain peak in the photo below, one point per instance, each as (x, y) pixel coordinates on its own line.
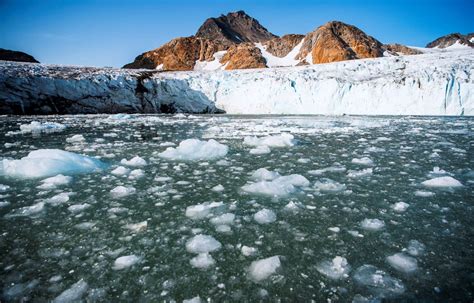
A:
(234, 28)
(452, 39)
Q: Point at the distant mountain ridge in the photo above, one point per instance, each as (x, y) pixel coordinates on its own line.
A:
(455, 39)
(238, 41)
(10, 55)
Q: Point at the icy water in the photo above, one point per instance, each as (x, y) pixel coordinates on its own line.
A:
(334, 230)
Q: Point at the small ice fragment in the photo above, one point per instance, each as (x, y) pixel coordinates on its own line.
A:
(135, 161)
(415, 248)
(136, 174)
(73, 293)
(366, 161)
(378, 282)
(334, 229)
(227, 219)
(122, 191)
(264, 216)
(282, 140)
(38, 127)
(262, 269)
(263, 174)
(53, 182)
(424, 194)
(120, 171)
(137, 227)
(441, 182)
(4, 188)
(400, 207)
(195, 150)
(335, 269)
(196, 299)
(402, 262)
(59, 198)
(359, 173)
(260, 150)
(218, 188)
(202, 244)
(248, 251)
(76, 139)
(125, 262)
(372, 224)
(202, 261)
(326, 185)
(76, 208)
(201, 211)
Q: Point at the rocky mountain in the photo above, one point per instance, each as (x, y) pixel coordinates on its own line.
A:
(238, 41)
(234, 28)
(452, 40)
(10, 55)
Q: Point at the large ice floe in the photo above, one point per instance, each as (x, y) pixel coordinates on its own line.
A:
(195, 150)
(262, 269)
(49, 162)
(378, 282)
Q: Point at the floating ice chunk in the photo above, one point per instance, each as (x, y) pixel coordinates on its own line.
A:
(120, 117)
(437, 172)
(402, 262)
(223, 228)
(38, 127)
(4, 204)
(201, 211)
(334, 229)
(120, 171)
(137, 227)
(248, 251)
(43, 163)
(424, 194)
(196, 299)
(135, 161)
(415, 248)
(85, 225)
(335, 269)
(278, 187)
(260, 150)
(76, 139)
(122, 191)
(360, 173)
(218, 188)
(76, 208)
(372, 224)
(326, 185)
(136, 174)
(73, 293)
(264, 216)
(125, 262)
(28, 210)
(226, 219)
(262, 269)
(53, 182)
(263, 174)
(282, 140)
(366, 161)
(378, 282)
(400, 207)
(59, 199)
(195, 150)
(441, 182)
(202, 261)
(4, 188)
(293, 206)
(166, 144)
(202, 244)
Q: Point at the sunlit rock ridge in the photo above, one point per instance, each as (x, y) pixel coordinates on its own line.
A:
(436, 83)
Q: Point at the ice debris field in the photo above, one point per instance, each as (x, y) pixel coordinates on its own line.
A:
(235, 208)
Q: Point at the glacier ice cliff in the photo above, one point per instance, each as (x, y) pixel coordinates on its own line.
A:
(438, 83)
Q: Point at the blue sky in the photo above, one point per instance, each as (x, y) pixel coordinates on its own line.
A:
(113, 32)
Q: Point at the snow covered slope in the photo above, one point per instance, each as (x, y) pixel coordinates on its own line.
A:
(438, 83)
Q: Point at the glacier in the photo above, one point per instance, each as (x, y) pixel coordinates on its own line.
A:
(434, 83)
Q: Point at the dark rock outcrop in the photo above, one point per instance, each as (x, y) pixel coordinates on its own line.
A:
(243, 56)
(234, 28)
(281, 46)
(448, 40)
(9, 55)
(399, 49)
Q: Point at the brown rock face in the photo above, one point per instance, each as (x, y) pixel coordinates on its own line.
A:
(236, 27)
(178, 54)
(337, 41)
(243, 56)
(280, 47)
(400, 49)
(9, 55)
(448, 40)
